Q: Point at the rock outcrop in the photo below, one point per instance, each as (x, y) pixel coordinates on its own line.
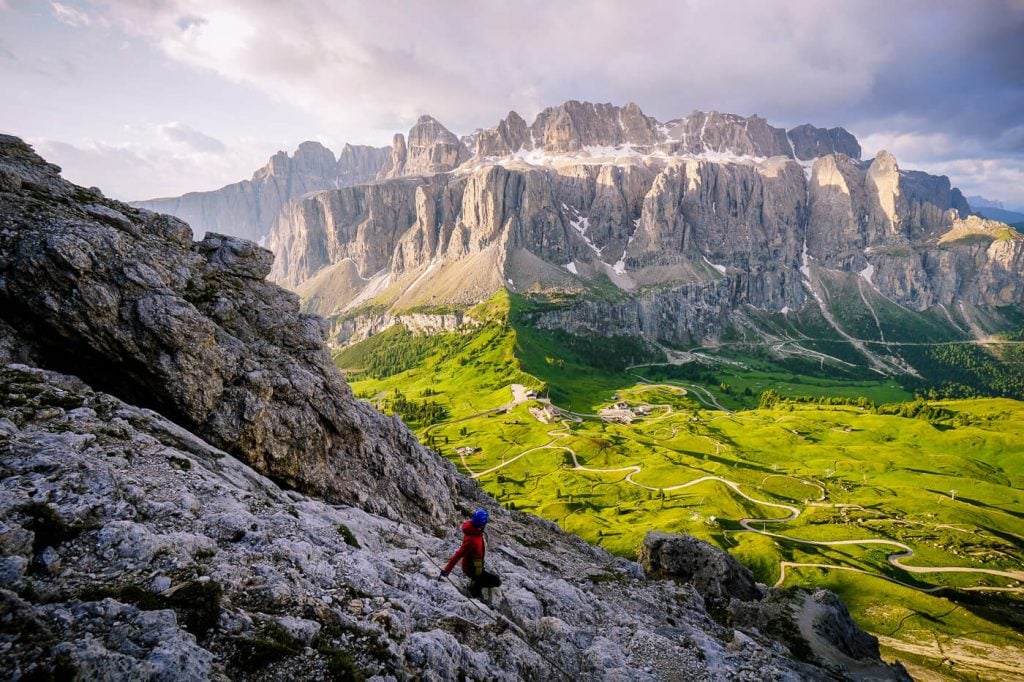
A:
(142, 539)
(809, 142)
(715, 574)
(248, 208)
(123, 298)
(361, 224)
(432, 148)
(573, 126)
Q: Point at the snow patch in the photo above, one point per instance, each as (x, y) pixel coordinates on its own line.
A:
(716, 266)
(785, 310)
(805, 260)
(581, 224)
(620, 265)
(571, 267)
(623, 154)
(867, 272)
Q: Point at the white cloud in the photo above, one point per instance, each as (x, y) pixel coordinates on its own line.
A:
(386, 63)
(200, 142)
(66, 14)
(156, 160)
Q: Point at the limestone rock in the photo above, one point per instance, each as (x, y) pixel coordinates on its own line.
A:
(194, 330)
(511, 135)
(575, 125)
(362, 224)
(715, 574)
(816, 626)
(702, 132)
(432, 148)
(810, 142)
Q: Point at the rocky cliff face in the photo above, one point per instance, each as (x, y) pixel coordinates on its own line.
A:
(143, 541)
(809, 142)
(432, 148)
(727, 209)
(247, 209)
(124, 299)
(688, 239)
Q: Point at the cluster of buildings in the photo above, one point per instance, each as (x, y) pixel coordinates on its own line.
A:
(622, 413)
(548, 414)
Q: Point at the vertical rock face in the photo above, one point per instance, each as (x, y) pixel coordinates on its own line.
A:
(511, 135)
(574, 125)
(732, 214)
(361, 223)
(248, 209)
(359, 164)
(432, 148)
(810, 142)
(122, 298)
(703, 132)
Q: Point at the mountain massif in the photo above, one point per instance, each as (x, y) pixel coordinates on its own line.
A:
(680, 231)
(190, 491)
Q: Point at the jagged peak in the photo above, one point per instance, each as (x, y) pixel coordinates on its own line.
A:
(429, 130)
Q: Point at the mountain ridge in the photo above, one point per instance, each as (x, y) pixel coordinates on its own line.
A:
(249, 207)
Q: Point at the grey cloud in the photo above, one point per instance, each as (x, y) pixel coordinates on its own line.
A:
(181, 133)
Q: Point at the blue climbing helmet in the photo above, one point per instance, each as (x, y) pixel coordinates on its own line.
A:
(480, 518)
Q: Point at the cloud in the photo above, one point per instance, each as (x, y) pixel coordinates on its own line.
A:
(939, 73)
(159, 160)
(69, 15)
(201, 142)
(389, 62)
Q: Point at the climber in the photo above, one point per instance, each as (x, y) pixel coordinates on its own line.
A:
(472, 553)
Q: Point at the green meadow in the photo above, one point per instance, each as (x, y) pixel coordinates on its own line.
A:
(824, 484)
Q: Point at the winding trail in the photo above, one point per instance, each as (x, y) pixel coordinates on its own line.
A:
(895, 559)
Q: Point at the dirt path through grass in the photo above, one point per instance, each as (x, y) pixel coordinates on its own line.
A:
(895, 559)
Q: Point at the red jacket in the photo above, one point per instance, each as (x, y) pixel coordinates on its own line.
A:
(471, 551)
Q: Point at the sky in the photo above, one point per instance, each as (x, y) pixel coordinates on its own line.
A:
(146, 98)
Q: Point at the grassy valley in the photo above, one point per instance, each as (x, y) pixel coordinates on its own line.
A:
(912, 509)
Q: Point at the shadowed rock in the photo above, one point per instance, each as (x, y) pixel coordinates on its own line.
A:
(122, 298)
(715, 574)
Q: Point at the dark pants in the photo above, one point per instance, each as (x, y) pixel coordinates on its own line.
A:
(482, 580)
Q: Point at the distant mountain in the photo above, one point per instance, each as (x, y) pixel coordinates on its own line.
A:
(977, 202)
(1002, 215)
(248, 208)
(676, 231)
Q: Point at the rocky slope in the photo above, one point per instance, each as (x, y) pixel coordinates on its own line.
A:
(693, 222)
(248, 208)
(125, 299)
(145, 543)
